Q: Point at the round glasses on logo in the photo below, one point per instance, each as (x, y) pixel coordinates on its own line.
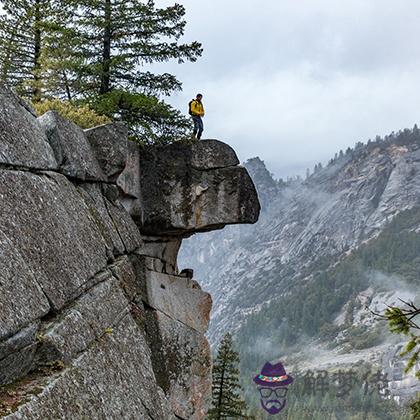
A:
(266, 392)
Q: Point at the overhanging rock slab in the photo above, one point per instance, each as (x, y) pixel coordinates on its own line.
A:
(183, 193)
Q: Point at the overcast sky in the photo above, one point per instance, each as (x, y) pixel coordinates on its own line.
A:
(294, 81)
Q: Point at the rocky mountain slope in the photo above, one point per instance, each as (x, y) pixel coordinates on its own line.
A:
(324, 249)
(332, 212)
(96, 319)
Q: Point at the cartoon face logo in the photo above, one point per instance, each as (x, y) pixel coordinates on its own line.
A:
(272, 385)
(273, 400)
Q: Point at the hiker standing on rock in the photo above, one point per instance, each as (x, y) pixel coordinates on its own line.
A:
(197, 112)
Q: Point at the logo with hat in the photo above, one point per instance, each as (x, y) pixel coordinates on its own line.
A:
(272, 384)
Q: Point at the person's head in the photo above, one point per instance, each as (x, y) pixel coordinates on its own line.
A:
(199, 97)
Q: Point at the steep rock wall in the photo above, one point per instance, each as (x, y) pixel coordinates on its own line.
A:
(96, 320)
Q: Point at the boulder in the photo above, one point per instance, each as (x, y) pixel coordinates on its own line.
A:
(179, 199)
(22, 140)
(193, 193)
(212, 154)
(110, 145)
(72, 150)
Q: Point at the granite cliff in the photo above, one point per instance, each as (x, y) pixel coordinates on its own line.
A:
(96, 319)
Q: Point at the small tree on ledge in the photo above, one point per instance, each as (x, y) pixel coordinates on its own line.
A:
(227, 403)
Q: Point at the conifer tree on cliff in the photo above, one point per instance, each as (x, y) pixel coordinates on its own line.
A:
(227, 401)
(27, 28)
(116, 39)
(94, 51)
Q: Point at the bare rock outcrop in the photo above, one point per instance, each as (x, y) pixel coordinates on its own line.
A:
(96, 320)
(188, 189)
(71, 148)
(22, 140)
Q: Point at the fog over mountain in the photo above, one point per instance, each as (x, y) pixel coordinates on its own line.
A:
(328, 250)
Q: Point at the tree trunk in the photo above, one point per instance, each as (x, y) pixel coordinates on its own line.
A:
(36, 89)
(106, 52)
(67, 87)
(219, 402)
(5, 66)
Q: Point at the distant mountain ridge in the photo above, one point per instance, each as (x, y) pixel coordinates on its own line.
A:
(331, 212)
(319, 245)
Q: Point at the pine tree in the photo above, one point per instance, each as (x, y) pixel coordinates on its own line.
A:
(115, 39)
(59, 58)
(227, 402)
(151, 121)
(402, 321)
(92, 52)
(26, 29)
(120, 36)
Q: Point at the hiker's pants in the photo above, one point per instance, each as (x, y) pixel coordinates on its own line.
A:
(198, 126)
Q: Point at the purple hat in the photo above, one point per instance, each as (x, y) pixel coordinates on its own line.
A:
(273, 376)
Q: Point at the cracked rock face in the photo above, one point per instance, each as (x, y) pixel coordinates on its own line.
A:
(110, 146)
(22, 140)
(71, 148)
(188, 189)
(96, 319)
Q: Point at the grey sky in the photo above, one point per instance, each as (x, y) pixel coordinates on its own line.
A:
(294, 81)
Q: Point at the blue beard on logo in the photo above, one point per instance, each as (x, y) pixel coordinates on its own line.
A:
(273, 406)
